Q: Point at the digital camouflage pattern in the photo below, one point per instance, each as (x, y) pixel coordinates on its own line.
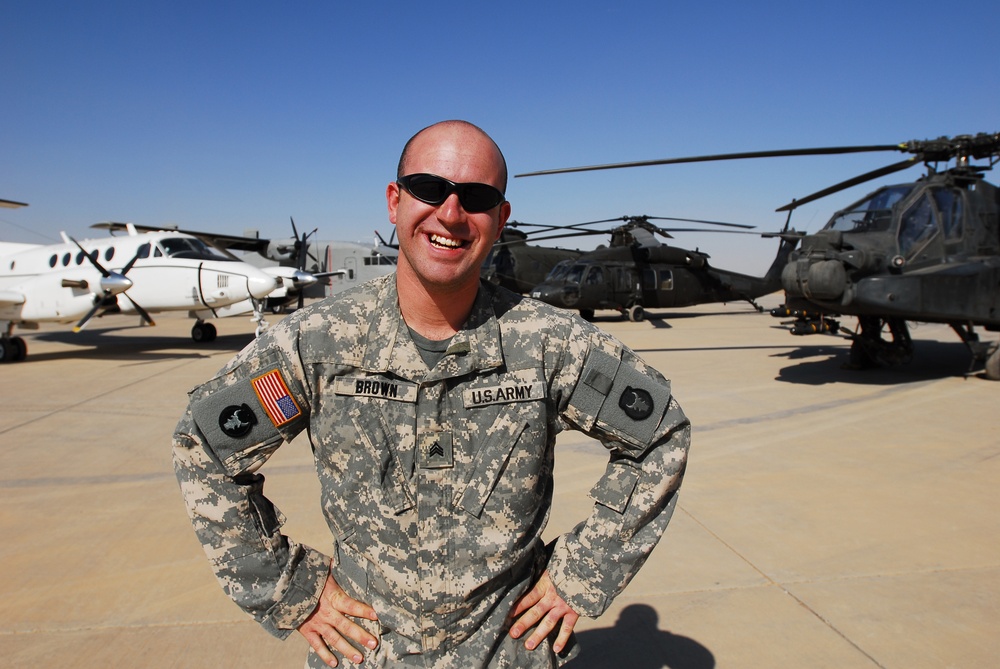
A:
(437, 484)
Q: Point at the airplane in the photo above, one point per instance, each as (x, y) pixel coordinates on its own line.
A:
(154, 271)
(302, 267)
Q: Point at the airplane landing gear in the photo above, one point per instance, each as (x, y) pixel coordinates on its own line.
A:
(13, 349)
(203, 332)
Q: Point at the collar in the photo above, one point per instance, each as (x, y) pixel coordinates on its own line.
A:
(389, 348)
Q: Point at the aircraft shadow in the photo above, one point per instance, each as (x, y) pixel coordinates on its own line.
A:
(106, 344)
(819, 365)
(636, 642)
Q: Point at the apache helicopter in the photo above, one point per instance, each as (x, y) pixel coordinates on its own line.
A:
(925, 251)
(637, 272)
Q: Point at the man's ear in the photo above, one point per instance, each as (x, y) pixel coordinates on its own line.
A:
(392, 200)
(502, 220)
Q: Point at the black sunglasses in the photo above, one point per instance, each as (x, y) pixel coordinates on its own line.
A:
(432, 189)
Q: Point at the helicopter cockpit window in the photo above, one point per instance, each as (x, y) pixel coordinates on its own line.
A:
(949, 205)
(575, 273)
(192, 248)
(595, 276)
(917, 226)
(873, 214)
(559, 271)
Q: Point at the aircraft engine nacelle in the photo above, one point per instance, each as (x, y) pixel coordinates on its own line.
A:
(672, 256)
(823, 280)
(51, 300)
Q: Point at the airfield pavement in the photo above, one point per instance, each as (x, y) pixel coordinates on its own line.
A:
(829, 518)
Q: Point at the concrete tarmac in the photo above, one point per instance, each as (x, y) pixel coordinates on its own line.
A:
(829, 518)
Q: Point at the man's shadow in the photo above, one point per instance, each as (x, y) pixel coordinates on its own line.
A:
(636, 643)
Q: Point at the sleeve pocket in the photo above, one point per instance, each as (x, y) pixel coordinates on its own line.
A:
(614, 489)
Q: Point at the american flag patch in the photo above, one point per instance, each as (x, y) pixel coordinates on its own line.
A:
(275, 398)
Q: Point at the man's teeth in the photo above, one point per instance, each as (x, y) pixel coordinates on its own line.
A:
(445, 241)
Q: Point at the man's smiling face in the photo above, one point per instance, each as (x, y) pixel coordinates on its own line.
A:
(444, 246)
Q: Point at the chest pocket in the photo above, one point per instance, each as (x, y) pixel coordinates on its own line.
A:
(374, 432)
(506, 425)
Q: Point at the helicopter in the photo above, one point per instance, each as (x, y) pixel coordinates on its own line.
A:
(636, 272)
(519, 266)
(923, 251)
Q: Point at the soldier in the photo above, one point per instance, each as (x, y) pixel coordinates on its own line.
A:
(432, 401)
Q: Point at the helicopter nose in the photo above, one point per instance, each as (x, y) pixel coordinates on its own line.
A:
(261, 285)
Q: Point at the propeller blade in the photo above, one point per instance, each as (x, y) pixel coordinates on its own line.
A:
(142, 312)
(820, 151)
(867, 176)
(90, 314)
(696, 220)
(100, 268)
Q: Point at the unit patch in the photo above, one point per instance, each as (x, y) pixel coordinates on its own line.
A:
(636, 403)
(274, 396)
(237, 421)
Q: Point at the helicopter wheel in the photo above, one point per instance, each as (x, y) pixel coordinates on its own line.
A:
(993, 363)
(635, 313)
(869, 349)
(587, 314)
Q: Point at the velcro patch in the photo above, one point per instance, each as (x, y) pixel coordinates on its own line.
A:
(274, 396)
(376, 386)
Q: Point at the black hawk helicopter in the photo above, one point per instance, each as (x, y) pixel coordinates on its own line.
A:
(636, 272)
(925, 251)
(519, 266)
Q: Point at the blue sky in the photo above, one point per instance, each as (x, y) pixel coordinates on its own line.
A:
(234, 115)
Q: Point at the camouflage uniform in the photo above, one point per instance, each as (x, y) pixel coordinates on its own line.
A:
(436, 483)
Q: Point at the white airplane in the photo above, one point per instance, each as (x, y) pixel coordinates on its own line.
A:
(154, 272)
(303, 267)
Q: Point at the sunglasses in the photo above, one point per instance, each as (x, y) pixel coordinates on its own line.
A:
(432, 189)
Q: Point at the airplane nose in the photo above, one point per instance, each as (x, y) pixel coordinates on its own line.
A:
(261, 285)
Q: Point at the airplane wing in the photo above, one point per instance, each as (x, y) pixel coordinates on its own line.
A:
(11, 298)
(219, 240)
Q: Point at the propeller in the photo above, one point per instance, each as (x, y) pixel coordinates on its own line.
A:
(960, 147)
(302, 253)
(112, 285)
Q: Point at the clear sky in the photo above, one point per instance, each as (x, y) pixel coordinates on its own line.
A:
(225, 115)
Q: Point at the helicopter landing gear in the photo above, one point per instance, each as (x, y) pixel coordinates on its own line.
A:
(869, 349)
(13, 349)
(984, 353)
(203, 332)
(635, 313)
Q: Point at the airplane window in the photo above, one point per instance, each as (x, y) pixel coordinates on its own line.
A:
(949, 204)
(873, 214)
(917, 226)
(79, 258)
(189, 247)
(65, 260)
(143, 251)
(109, 253)
(53, 260)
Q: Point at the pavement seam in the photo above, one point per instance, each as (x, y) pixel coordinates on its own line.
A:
(785, 590)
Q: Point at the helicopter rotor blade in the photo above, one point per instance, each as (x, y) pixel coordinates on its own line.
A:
(819, 151)
(860, 179)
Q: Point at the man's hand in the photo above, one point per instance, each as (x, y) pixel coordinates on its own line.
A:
(543, 606)
(328, 627)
